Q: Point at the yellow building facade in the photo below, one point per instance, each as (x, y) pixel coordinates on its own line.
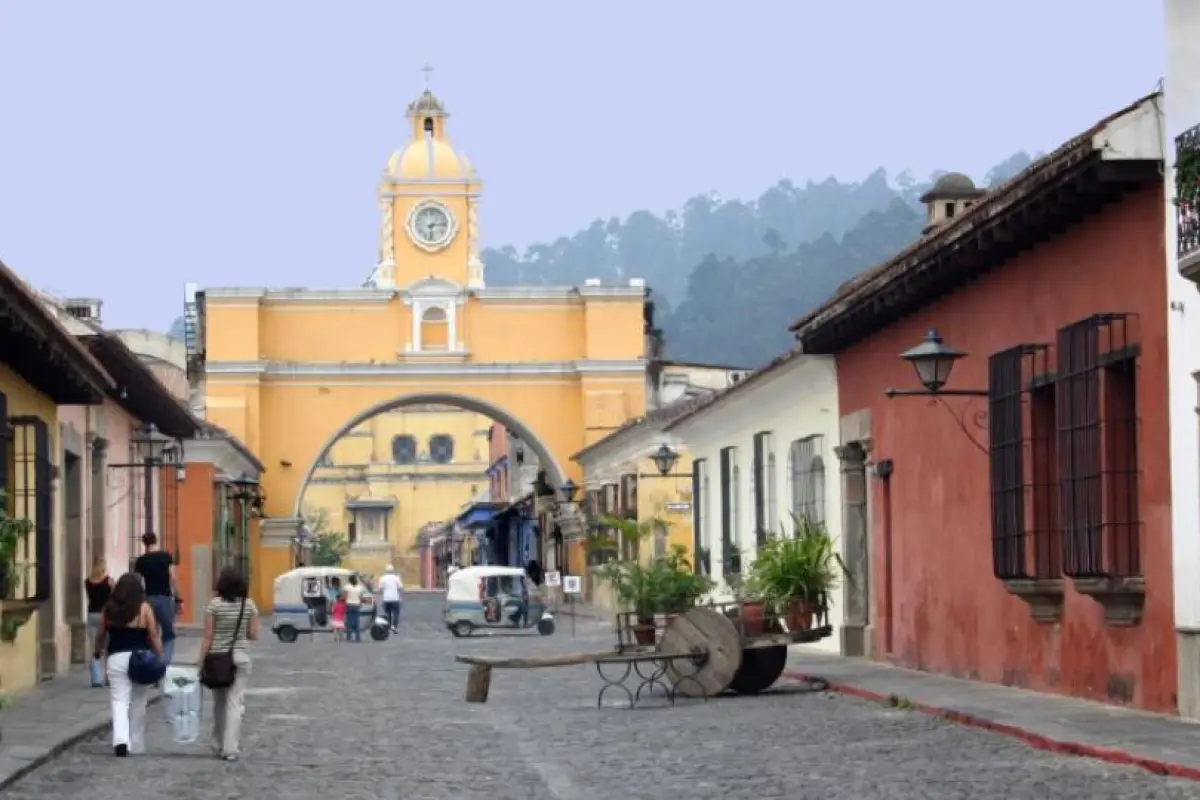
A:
(393, 474)
(289, 371)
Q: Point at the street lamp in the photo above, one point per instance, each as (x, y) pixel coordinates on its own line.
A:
(933, 361)
(665, 459)
(152, 446)
(569, 490)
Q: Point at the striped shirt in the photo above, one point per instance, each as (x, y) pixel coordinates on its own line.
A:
(224, 616)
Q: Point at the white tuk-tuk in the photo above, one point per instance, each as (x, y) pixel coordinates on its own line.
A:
(304, 598)
(494, 597)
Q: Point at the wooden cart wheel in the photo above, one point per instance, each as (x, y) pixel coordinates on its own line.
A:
(703, 631)
(761, 667)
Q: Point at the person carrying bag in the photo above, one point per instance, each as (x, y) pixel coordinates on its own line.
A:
(230, 623)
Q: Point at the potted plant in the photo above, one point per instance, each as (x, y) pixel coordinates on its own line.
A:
(640, 589)
(683, 585)
(797, 574)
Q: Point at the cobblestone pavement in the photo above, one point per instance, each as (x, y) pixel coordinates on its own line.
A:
(387, 720)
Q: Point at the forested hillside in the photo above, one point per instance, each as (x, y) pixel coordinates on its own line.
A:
(729, 276)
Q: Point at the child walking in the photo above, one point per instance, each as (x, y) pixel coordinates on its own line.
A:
(337, 619)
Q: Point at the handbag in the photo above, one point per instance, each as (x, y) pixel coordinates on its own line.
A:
(219, 670)
(146, 668)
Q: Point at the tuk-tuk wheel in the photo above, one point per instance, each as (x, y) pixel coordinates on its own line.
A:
(287, 634)
(462, 628)
(545, 626)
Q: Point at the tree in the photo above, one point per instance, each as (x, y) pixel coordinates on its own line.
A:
(329, 548)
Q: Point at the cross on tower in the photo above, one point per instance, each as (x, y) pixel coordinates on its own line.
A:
(427, 70)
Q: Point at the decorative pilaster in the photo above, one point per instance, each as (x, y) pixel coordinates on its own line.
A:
(474, 262)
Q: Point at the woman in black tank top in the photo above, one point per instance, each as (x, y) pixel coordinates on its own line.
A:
(98, 588)
(126, 625)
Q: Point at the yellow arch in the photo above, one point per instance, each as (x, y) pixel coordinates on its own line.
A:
(554, 471)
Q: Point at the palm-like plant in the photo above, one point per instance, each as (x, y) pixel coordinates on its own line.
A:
(802, 568)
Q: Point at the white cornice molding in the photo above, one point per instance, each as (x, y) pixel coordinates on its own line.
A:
(357, 296)
(277, 369)
(226, 295)
(228, 461)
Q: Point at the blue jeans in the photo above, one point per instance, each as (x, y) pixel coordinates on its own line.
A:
(392, 609)
(353, 634)
(95, 664)
(164, 614)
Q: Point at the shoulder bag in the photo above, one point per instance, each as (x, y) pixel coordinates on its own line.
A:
(219, 670)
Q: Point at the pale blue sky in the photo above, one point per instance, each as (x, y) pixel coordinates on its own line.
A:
(145, 144)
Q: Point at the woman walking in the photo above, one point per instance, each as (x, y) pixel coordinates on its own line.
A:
(353, 595)
(98, 588)
(230, 622)
(127, 625)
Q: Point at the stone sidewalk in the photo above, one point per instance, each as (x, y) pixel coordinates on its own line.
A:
(50, 717)
(1158, 743)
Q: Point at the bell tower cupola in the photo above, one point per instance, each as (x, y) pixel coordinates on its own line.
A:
(428, 202)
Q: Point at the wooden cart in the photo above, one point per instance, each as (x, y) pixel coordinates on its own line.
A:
(737, 659)
(703, 652)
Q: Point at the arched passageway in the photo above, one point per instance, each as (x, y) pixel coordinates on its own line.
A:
(554, 471)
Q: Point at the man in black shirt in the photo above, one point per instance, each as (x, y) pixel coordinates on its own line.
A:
(157, 569)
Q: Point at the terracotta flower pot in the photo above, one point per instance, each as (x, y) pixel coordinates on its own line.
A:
(643, 631)
(799, 615)
(753, 612)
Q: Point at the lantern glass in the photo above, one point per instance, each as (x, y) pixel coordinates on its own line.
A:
(151, 443)
(932, 360)
(664, 459)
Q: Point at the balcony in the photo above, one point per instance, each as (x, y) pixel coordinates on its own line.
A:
(1187, 202)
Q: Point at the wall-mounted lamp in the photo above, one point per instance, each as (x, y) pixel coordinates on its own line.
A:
(665, 459)
(568, 491)
(933, 360)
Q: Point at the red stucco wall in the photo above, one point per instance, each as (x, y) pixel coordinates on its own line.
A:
(196, 517)
(950, 614)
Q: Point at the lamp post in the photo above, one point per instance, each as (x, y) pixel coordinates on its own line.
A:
(568, 491)
(933, 360)
(152, 447)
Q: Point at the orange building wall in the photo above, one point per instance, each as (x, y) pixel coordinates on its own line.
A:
(950, 614)
(196, 520)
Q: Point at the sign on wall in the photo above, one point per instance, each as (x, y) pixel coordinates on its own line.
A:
(554, 579)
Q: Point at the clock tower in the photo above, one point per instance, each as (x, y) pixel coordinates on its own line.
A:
(428, 200)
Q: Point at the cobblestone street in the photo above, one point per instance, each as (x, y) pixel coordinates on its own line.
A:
(388, 720)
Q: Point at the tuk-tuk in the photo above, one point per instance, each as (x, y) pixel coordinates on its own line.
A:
(304, 599)
(494, 597)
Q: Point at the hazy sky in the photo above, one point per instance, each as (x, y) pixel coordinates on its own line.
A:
(145, 144)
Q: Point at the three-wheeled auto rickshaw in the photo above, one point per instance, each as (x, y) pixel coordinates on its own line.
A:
(494, 597)
(304, 599)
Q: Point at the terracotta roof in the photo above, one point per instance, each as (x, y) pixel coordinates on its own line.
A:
(749, 380)
(661, 417)
(990, 205)
(47, 324)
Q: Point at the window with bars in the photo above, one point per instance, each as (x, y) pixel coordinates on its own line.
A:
(404, 449)
(731, 561)
(441, 448)
(627, 509)
(701, 542)
(761, 483)
(31, 482)
(1098, 447)
(807, 478)
(1023, 469)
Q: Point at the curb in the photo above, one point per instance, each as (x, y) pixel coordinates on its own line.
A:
(1034, 740)
(73, 738)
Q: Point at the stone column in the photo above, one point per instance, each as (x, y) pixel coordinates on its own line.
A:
(856, 534)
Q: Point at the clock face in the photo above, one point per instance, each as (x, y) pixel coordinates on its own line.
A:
(431, 225)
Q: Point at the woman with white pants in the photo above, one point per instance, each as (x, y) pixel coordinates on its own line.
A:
(127, 624)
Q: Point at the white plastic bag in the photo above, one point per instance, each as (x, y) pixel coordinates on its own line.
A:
(181, 697)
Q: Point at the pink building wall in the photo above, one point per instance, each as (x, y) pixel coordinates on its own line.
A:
(498, 475)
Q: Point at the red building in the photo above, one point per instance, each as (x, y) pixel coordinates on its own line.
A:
(1014, 522)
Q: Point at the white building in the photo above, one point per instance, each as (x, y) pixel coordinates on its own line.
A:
(1182, 129)
(761, 451)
